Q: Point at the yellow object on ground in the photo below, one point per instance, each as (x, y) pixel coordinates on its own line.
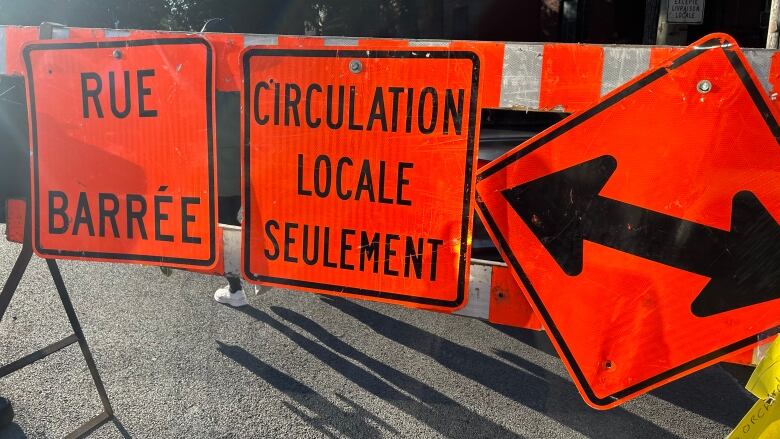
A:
(763, 419)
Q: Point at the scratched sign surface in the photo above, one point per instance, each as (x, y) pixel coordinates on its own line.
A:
(644, 229)
(358, 171)
(122, 151)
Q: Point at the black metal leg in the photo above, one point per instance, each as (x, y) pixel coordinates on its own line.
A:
(46, 32)
(14, 278)
(9, 288)
(74, 323)
(20, 266)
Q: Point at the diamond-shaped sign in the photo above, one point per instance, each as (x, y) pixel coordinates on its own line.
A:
(645, 229)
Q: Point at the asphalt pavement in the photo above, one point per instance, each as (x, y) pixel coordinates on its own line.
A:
(297, 365)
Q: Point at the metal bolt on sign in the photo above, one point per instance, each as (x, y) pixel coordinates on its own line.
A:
(704, 86)
(355, 66)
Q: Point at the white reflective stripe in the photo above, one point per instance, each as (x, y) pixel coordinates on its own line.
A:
(475, 261)
(3, 70)
(428, 43)
(478, 300)
(60, 33)
(260, 40)
(117, 33)
(621, 64)
(522, 76)
(480, 278)
(231, 243)
(760, 61)
(345, 42)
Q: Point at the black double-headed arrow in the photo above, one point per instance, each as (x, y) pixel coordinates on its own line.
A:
(564, 208)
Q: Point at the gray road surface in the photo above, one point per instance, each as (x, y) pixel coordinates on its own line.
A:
(297, 365)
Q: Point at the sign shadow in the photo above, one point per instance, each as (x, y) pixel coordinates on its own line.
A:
(404, 392)
(353, 424)
(540, 392)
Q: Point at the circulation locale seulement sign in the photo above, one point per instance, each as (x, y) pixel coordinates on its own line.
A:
(359, 168)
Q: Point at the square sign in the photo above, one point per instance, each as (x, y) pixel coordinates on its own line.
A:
(358, 171)
(122, 146)
(685, 11)
(645, 229)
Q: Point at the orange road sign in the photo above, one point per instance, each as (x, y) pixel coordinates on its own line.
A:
(644, 229)
(122, 144)
(358, 171)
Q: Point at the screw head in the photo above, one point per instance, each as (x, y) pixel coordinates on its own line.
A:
(704, 86)
(117, 54)
(355, 66)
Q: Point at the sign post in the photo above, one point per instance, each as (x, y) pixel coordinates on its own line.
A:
(358, 171)
(645, 229)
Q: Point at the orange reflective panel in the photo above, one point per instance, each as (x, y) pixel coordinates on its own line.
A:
(358, 171)
(644, 229)
(508, 305)
(15, 217)
(122, 143)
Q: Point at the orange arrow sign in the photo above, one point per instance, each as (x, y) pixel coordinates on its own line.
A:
(645, 228)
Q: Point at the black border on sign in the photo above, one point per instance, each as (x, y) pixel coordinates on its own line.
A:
(755, 94)
(210, 134)
(422, 53)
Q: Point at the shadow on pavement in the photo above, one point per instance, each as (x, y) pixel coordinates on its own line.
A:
(12, 431)
(457, 422)
(535, 339)
(696, 394)
(693, 393)
(349, 424)
(121, 428)
(527, 384)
